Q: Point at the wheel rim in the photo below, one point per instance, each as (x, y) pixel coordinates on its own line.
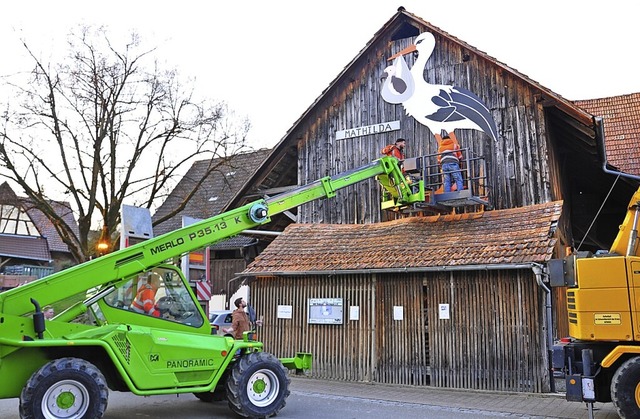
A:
(65, 399)
(263, 388)
(638, 394)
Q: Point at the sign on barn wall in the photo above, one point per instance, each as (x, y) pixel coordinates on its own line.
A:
(285, 311)
(325, 311)
(368, 130)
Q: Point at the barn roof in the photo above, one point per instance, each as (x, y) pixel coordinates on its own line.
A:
(621, 116)
(511, 236)
(46, 227)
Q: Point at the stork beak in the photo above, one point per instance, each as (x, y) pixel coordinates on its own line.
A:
(405, 51)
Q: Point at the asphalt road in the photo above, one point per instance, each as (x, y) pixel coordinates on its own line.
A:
(315, 399)
(299, 405)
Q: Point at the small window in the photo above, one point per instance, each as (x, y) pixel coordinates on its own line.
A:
(14, 220)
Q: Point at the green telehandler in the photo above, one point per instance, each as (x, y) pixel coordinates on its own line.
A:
(65, 367)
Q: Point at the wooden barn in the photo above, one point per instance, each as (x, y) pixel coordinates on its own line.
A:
(452, 294)
(449, 301)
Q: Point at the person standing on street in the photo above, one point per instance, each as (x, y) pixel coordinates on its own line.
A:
(239, 319)
(48, 313)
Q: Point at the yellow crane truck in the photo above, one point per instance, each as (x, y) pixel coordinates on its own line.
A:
(601, 358)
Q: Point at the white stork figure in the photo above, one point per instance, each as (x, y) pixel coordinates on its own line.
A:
(440, 107)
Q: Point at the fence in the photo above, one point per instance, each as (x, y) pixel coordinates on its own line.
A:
(28, 270)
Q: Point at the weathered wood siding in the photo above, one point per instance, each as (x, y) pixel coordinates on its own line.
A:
(345, 352)
(494, 339)
(401, 347)
(222, 270)
(518, 172)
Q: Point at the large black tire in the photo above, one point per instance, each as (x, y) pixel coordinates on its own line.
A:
(258, 385)
(69, 388)
(625, 389)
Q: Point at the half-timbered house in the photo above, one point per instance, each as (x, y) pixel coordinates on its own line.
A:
(30, 246)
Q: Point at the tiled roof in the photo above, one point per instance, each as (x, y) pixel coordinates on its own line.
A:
(45, 226)
(518, 235)
(24, 247)
(621, 116)
(213, 194)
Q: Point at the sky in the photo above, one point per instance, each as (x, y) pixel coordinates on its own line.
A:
(269, 60)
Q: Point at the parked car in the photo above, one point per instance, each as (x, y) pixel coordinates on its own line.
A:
(220, 320)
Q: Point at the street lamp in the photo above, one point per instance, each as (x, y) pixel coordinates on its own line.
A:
(103, 242)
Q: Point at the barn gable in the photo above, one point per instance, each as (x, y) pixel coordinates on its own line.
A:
(546, 148)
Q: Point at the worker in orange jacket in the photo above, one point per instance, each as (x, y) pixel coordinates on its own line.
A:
(396, 150)
(449, 156)
(145, 301)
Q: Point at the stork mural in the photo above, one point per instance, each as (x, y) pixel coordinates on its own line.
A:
(441, 108)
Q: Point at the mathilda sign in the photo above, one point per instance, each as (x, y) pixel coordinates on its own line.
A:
(368, 130)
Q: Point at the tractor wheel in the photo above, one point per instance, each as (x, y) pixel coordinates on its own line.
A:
(625, 389)
(65, 388)
(258, 385)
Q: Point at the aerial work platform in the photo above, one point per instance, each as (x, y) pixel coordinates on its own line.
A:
(426, 169)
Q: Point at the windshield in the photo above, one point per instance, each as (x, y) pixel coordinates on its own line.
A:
(159, 293)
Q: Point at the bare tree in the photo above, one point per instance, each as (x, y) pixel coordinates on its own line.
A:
(106, 125)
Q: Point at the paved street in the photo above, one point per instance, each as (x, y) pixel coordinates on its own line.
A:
(311, 399)
(482, 403)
